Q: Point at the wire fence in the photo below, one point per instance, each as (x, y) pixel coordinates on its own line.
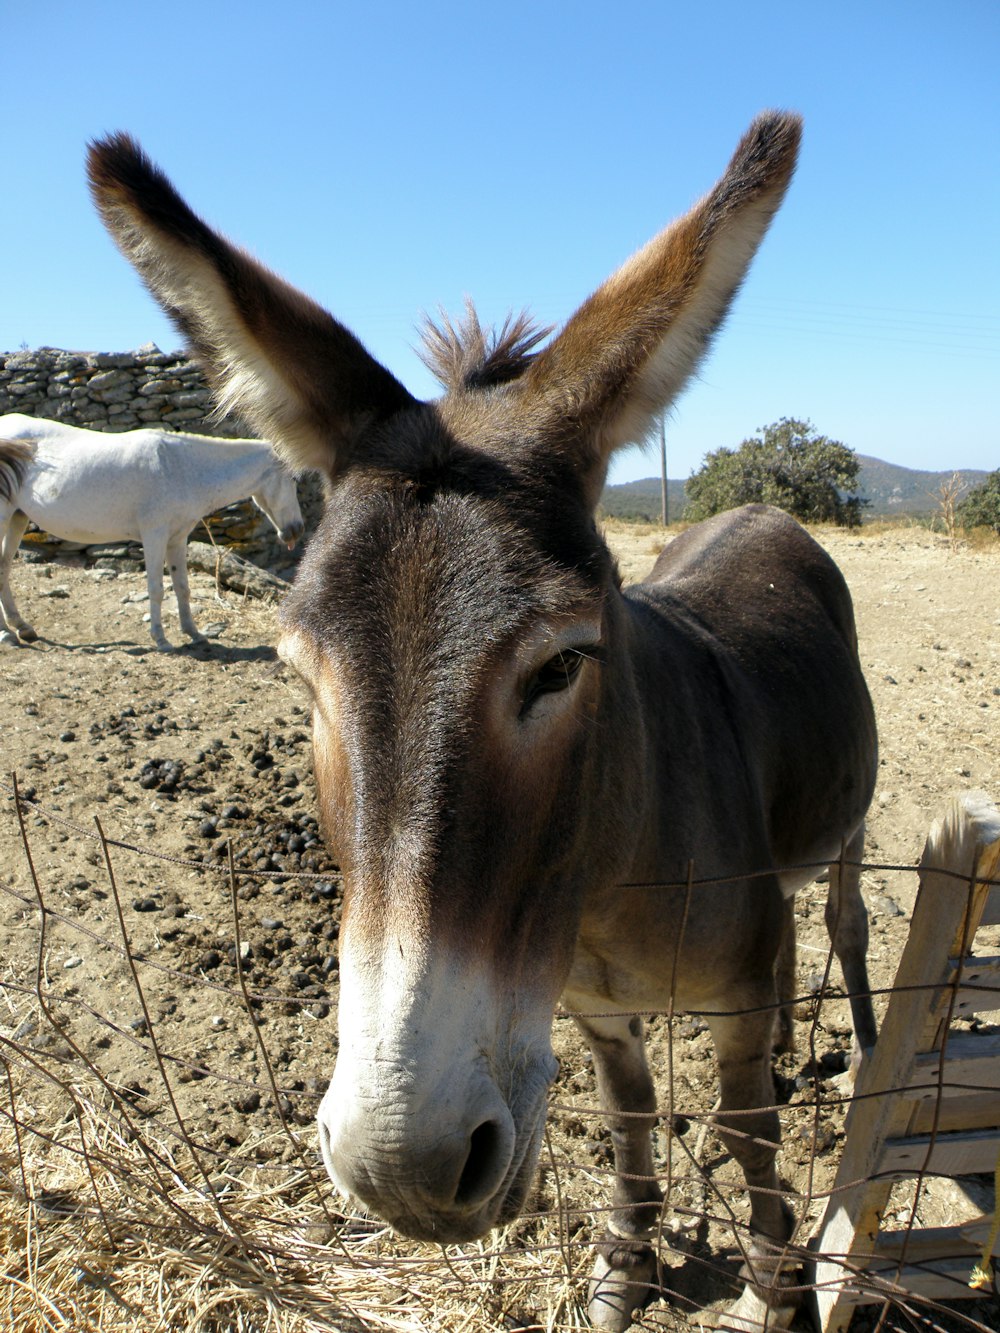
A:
(148, 1181)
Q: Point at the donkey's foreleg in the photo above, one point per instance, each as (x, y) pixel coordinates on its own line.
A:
(748, 1124)
(154, 547)
(177, 564)
(13, 531)
(784, 981)
(847, 922)
(624, 1274)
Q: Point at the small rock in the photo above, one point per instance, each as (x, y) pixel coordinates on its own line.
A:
(67, 735)
(72, 962)
(882, 904)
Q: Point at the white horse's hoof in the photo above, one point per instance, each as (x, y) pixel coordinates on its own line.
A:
(622, 1284)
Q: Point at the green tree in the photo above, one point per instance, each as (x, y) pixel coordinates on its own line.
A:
(786, 464)
(981, 507)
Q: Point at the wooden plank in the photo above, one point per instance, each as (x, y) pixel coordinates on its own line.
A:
(966, 841)
(975, 1111)
(965, 1154)
(981, 851)
(948, 1280)
(978, 992)
(971, 1064)
(923, 1244)
(977, 1232)
(979, 988)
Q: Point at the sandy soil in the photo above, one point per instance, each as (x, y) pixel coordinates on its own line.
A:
(177, 754)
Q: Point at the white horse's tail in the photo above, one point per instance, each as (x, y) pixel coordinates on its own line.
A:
(15, 455)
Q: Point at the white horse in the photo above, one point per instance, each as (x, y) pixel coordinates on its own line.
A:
(139, 485)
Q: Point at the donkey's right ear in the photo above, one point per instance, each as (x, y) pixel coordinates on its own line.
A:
(299, 377)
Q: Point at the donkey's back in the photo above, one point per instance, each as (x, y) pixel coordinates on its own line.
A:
(765, 620)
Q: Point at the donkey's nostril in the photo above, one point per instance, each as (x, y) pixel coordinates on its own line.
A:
(486, 1164)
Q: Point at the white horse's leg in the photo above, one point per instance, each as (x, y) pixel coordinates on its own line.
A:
(177, 562)
(13, 531)
(154, 547)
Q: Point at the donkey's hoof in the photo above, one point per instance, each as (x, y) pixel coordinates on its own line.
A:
(623, 1283)
(8, 639)
(749, 1314)
(26, 634)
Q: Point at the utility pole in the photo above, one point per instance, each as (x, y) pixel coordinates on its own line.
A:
(663, 471)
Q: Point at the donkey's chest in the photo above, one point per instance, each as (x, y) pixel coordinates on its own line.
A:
(647, 956)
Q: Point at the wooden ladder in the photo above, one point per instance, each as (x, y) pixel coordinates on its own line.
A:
(927, 1099)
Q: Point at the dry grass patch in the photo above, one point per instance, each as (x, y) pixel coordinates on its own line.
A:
(109, 1227)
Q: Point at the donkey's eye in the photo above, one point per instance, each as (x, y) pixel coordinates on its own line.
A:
(558, 673)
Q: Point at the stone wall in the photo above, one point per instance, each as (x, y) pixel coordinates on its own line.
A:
(111, 390)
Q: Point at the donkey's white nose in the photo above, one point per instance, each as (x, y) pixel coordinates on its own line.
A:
(435, 1177)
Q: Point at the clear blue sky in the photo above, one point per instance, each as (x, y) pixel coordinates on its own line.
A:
(391, 157)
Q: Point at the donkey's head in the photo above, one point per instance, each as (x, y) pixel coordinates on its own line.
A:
(458, 624)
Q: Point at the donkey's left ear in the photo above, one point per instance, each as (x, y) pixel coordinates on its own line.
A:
(628, 351)
(300, 378)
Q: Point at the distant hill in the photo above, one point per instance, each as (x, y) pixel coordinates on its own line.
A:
(890, 490)
(641, 499)
(903, 490)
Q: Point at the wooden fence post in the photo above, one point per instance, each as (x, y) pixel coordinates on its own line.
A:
(927, 1099)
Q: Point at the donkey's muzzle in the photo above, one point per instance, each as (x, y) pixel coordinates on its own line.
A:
(430, 1180)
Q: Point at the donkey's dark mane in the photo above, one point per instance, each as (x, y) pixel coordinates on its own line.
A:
(467, 356)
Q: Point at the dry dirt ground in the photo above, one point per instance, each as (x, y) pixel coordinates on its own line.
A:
(180, 755)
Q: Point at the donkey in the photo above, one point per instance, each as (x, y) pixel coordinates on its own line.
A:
(147, 485)
(506, 741)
